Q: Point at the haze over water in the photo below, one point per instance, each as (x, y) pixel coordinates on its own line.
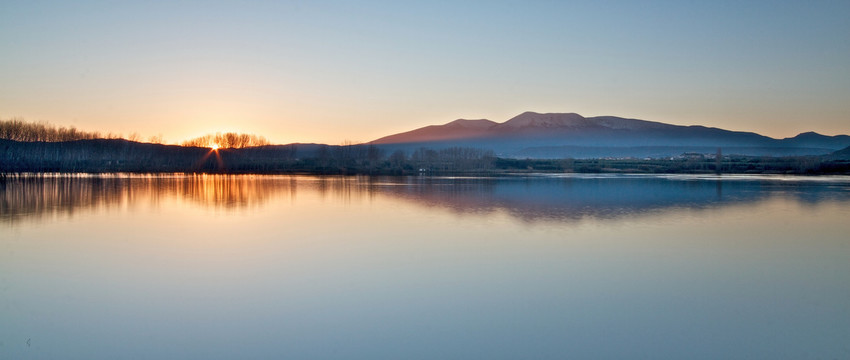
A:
(206, 267)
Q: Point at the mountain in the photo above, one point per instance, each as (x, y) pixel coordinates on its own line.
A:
(843, 154)
(565, 135)
(456, 130)
(813, 139)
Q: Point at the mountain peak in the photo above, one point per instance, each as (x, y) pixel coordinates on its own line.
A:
(808, 134)
(547, 120)
(472, 124)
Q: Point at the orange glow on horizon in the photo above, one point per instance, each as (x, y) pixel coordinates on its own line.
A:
(214, 146)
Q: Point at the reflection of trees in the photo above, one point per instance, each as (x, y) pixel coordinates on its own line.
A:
(525, 198)
(228, 190)
(45, 195)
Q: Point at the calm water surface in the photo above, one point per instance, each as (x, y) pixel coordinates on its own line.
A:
(297, 267)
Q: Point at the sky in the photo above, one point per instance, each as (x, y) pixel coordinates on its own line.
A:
(354, 71)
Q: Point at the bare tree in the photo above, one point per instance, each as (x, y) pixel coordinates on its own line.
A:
(227, 140)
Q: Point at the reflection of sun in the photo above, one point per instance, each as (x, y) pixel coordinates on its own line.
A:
(214, 146)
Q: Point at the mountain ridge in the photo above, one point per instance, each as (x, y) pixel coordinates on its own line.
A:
(541, 130)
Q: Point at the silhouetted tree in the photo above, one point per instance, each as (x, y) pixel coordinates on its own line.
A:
(227, 141)
(19, 130)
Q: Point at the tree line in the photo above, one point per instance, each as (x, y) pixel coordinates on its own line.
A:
(119, 155)
(19, 130)
(227, 140)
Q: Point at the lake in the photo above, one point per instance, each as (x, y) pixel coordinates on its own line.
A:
(530, 267)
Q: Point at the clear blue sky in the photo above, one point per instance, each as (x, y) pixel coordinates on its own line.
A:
(323, 71)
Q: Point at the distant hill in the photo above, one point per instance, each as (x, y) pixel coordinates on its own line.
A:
(843, 154)
(561, 135)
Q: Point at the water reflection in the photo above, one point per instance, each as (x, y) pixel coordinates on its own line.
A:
(607, 197)
(42, 195)
(558, 198)
(309, 267)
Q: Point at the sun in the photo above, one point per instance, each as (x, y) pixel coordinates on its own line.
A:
(214, 146)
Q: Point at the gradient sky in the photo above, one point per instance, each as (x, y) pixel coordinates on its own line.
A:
(327, 71)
